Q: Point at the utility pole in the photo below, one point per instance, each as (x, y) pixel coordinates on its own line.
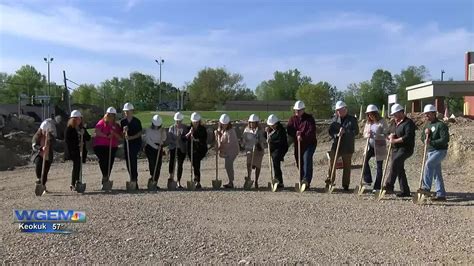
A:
(48, 61)
(442, 74)
(66, 93)
(160, 63)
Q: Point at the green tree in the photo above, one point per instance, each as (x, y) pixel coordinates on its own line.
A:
(283, 86)
(26, 80)
(382, 85)
(211, 88)
(87, 94)
(410, 76)
(317, 98)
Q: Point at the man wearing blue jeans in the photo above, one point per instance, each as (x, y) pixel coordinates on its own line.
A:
(302, 128)
(438, 138)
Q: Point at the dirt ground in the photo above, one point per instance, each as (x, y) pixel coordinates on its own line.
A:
(242, 227)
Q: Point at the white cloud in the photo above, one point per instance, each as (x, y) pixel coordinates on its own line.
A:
(393, 45)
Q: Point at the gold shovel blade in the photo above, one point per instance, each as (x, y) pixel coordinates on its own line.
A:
(216, 184)
(80, 187)
(171, 185)
(131, 186)
(152, 185)
(274, 186)
(330, 188)
(39, 190)
(418, 198)
(107, 186)
(191, 185)
(297, 187)
(248, 184)
(380, 194)
(302, 187)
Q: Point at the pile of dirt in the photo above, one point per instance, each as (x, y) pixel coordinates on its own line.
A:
(9, 159)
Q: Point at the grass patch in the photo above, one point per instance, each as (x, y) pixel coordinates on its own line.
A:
(146, 116)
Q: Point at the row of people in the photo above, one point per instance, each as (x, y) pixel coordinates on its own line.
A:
(301, 129)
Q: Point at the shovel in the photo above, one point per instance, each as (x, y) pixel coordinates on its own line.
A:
(419, 198)
(216, 183)
(248, 181)
(381, 193)
(107, 184)
(359, 190)
(171, 183)
(151, 182)
(330, 187)
(130, 185)
(80, 186)
(40, 188)
(273, 184)
(301, 186)
(190, 184)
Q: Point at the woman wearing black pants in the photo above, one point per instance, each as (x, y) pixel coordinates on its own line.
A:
(107, 135)
(197, 136)
(177, 142)
(72, 138)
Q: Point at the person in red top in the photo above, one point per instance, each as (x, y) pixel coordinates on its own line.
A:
(302, 127)
(107, 135)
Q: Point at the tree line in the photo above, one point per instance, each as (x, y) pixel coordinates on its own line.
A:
(213, 87)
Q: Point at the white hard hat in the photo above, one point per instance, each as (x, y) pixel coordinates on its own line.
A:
(48, 125)
(254, 118)
(195, 117)
(156, 120)
(178, 116)
(429, 108)
(340, 104)
(299, 105)
(224, 119)
(396, 108)
(371, 108)
(128, 107)
(76, 113)
(272, 120)
(111, 110)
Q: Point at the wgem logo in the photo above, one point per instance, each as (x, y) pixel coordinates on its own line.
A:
(55, 216)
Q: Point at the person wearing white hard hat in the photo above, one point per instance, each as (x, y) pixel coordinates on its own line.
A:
(177, 147)
(343, 126)
(72, 138)
(437, 133)
(107, 136)
(228, 147)
(132, 132)
(253, 141)
(276, 136)
(42, 145)
(197, 136)
(155, 136)
(403, 145)
(302, 129)
(376, 130)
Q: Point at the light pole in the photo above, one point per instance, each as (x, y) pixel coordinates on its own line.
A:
(442, 74)
(48, 61)
(160, 63)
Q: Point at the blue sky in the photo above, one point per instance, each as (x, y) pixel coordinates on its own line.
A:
(337, 41)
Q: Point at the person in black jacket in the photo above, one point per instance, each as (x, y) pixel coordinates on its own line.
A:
(276, 135)
(72, 138)
(132, 129)
(403, 145)
(198, 134)
(343, 126)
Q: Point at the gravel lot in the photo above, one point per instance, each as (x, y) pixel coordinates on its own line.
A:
(243, 226)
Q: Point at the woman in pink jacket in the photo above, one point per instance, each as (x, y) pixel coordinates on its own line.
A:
(107, 135)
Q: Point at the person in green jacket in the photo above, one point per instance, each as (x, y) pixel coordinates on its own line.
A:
(438, 138)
